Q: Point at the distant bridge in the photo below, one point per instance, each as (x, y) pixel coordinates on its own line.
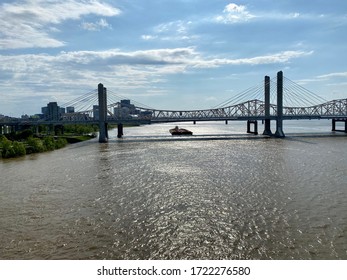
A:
(252, 110)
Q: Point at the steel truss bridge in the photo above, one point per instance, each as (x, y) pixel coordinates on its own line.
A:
(269, 103)
(248, 110)
(253, 110)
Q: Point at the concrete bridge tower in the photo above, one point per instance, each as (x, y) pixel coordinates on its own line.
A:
(102, 96)
(279, 120)
(267, 124)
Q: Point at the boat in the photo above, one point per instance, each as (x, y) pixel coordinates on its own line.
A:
(180, 131)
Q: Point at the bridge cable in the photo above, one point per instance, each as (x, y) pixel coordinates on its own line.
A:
(77, 102)
(303, 94)
(120, 97)
(241, 97)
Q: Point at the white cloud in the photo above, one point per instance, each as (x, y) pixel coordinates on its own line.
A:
(96, 26)
(234, 13)
(334, 75)
(42, 64)
(126, 69)
(29, 23)
(295, 15)
(281, 57)
(148, 37)
(179, 30)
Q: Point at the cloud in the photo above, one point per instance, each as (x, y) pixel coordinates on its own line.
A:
(125, 69)
(295, 15)
(234, 13)
(148, 37)
(29, 64)
(187, 57)
(178, 30)
(337, 78)
(281, 57)
(334, 75)
(29, 23)
(96, 26)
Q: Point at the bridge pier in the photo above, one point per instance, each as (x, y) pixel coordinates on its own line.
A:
(279, 120)
(103, 133)
(333, 123)
(10, 129)
(37, 129)
(255, 123)
(120, 130)
(267, 120)
(58, 129)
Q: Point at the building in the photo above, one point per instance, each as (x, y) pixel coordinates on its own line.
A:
(53, 111)
(44, 111)
(122, 112)
(125, 103)
(96, 112)
(70, 109)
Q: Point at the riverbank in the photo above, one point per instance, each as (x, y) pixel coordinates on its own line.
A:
(10, 148)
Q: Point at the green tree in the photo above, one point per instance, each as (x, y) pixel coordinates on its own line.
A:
(49, 143)
(2, 138)
(35, 145)
(60, 143)
(7, 149)
(19, 149)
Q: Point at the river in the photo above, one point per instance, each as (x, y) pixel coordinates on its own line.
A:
(220, 194)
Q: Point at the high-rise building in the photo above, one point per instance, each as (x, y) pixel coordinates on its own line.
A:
(70, 109)
(53, 111)
(44, 111)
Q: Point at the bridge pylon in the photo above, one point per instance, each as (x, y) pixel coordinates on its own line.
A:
(279, 120)
(267, 123)
(102, 97)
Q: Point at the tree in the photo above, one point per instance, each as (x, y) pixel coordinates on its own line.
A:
(11, 149)
(7, 149)
(19, 149)
(49, 144)
(35, 145)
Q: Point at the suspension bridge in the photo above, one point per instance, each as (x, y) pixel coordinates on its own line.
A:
(276, 99)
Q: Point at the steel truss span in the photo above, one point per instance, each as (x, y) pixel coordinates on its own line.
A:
(249, 110)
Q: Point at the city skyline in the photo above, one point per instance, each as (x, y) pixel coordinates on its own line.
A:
(166, 54)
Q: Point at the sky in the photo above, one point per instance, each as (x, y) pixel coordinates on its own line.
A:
(167, 54)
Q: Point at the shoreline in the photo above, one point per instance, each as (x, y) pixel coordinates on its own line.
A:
(37, 144)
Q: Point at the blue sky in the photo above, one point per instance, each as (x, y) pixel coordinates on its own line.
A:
(179, 54)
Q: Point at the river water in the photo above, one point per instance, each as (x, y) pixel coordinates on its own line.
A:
(220, 194)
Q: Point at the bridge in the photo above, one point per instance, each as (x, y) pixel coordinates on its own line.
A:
(263, 103)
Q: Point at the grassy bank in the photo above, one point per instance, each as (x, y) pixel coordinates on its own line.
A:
(30, 144)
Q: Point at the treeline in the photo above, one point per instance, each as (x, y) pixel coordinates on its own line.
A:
(25, 142)
(29, 145)
(80, 129)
